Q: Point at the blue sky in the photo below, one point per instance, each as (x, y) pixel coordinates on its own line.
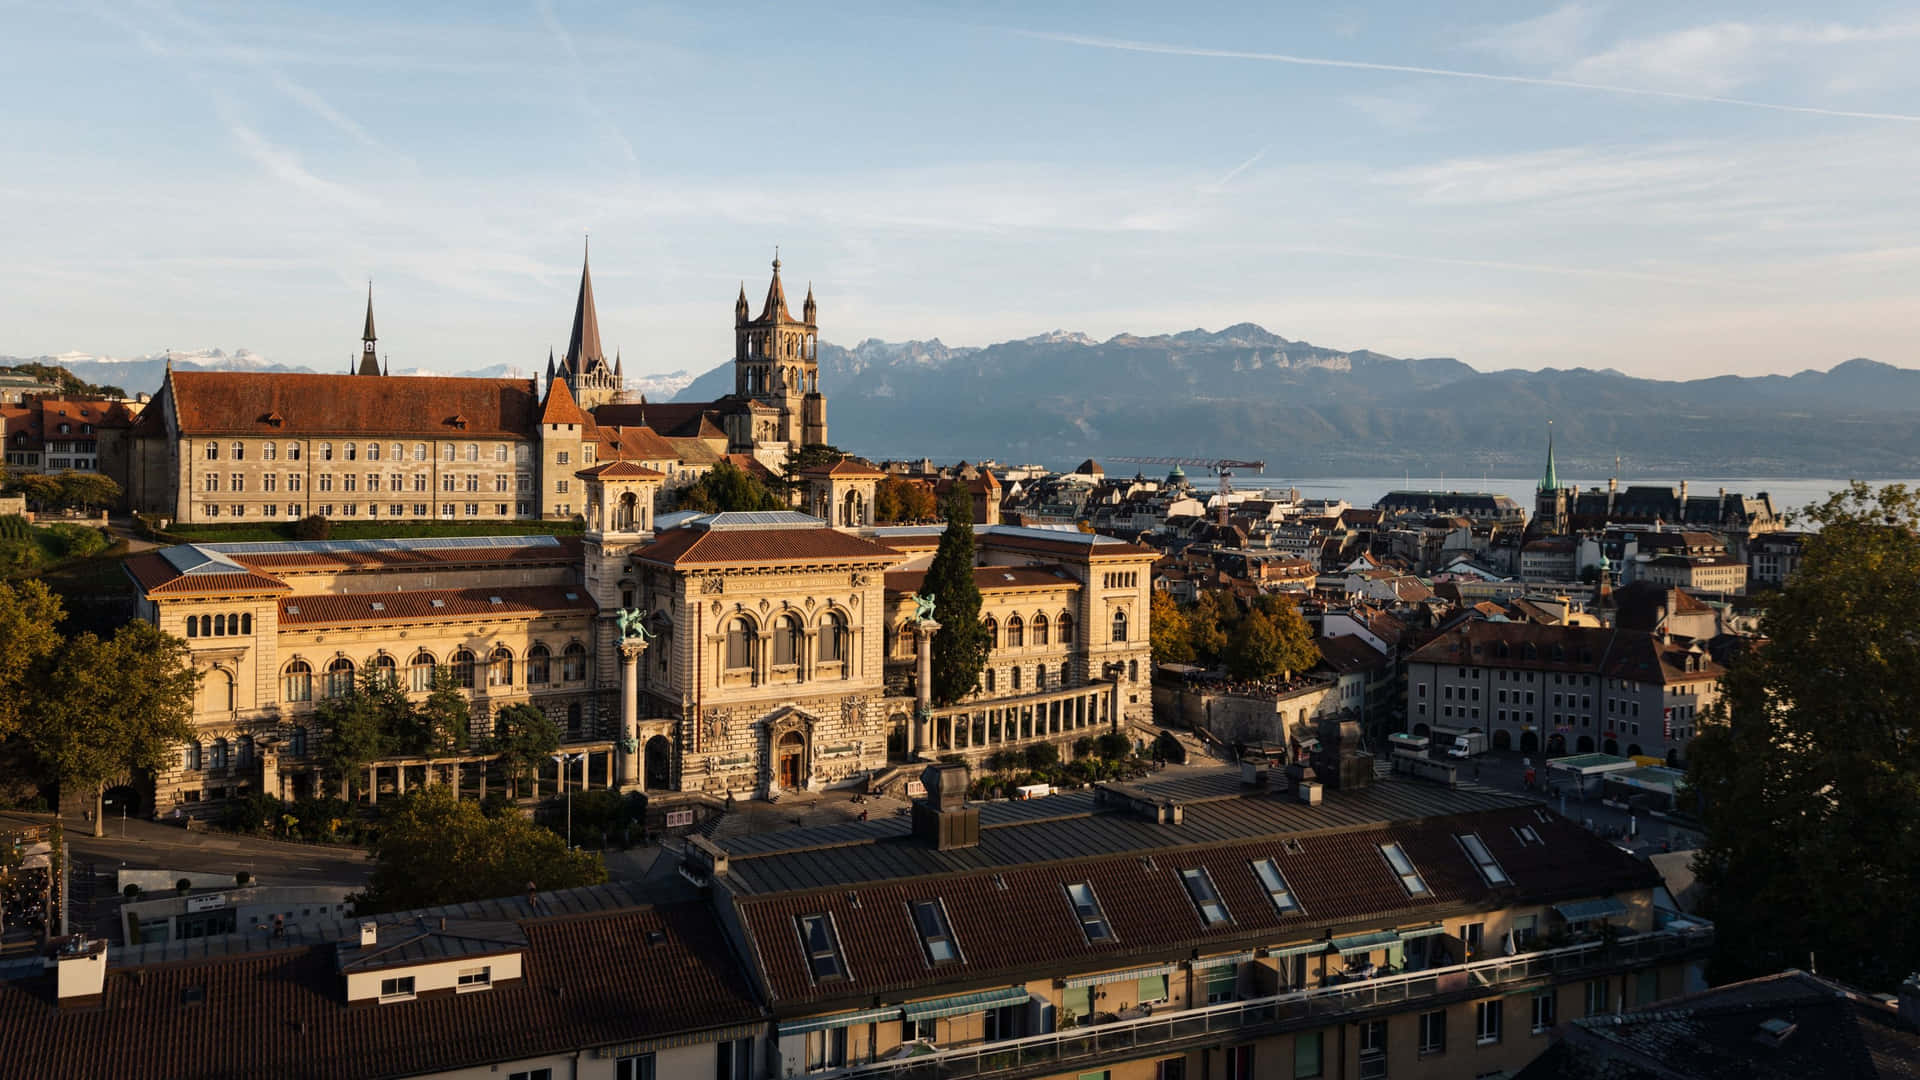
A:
(1670, 190)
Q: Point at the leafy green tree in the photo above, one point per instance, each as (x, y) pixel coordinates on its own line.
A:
(726, 488)
(434, 849)
(1269, 642)
(362, 726)
(88, 489)
(801, 458)
(1210, 623)
(902, 499)
(41, 489)
(960, 648)
(112, 707)
(1299, 649)
(1171, 635)
(442, 721)
(1808, 768)
(523, 737)
(29, 615)
(312, 527)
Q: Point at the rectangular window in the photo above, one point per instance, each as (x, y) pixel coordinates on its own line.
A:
(1403, 867)
(475, 978)
(446, 481)
(1151, 988)
(1076, 1004)
(1486, 1022)
(237, 482)
(1223, 983)
(1646, 988)
(1483, 859)
(560, 486)
(826, 1049)
(1093, 921)
(532, 1074)
(1596, 997)
(1278, 891)
(1170, 1069)
(1306, 1054)
(822, 947)
(1433, 1032)
(396, 988)
(1373, 1049)
(1525, 929)
(936, 937)
(269, 482)
(1205, 900)
(1543, 1010)
(561, 458)
(473, 509)
(1470, 936)
(733, 1060)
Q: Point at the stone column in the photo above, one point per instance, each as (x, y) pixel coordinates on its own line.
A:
(922, 733)
(628, 742)
(454, 768)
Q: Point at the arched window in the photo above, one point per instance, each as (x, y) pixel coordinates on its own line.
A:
(420, 672)
(993, 633)
(1016, 632)
(340, 677)
(373, 451)
(1119, 626)
(239, 449)
(500, 668)
(1039, 676)
(461, 663)
(1063, 674)
(539, 666)
(399, 451)
(193, 626)
(293, 451)
(1133, 671)
(786, 640)
(500, 451)
(326, 451)
(573, 662)
(384, 673)
(219, 754)
(246, 623)
(1040, 629)
(1065, 623)
(206, 626)
(1013, 676)
(353, 451)
(243, 746)
(419, 451)
(473, 452)
(190, 757)
(740, 639)
(298, 682)
(219, 626)
(297, 743)
(447, 451)
(833, 644)
(269, 451)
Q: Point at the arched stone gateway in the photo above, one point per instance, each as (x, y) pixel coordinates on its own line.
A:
(789, 747)
(789, 755)
(1611, 747)
(127, 798)
(1585, 745)
(1529, 743)
(1502, 740)
(1556, 744)
(658, 770)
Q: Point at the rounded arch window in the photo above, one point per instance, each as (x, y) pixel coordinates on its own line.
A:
(420, 671)
(1040, 629)
(539, 666)
(326, 451)
(1013, 677)
(740, 643)
(191, 756)
(833, 638)
(500, 667)
(293, 451)
(339, 677)
(219, 760)
(1065, 625)
(461, 663)
(473, 451)
(419, 451)
(1119, 626)
(297, 682)
(384, 673)
(786, 640)
(573, 662)
(373, 451)
(993, 632)
(399, 452)
(352, 450)
(1016, 632)
(219, 626)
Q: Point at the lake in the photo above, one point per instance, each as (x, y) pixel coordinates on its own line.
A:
(1788, 493)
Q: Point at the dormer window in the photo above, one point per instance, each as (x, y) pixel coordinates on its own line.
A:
(399, 988)
(822, 947)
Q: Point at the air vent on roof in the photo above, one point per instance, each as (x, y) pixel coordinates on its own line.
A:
(378, 606)
(1775, 1032)
(1000, 882)
(1147, 864)
(293, 609)
(439, 603)
(853, 900)
(193, 995)
(656, 937)
(1293, 847)
(493, 600)
(573, 596)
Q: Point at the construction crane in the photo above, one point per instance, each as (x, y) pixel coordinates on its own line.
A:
(1221, 467)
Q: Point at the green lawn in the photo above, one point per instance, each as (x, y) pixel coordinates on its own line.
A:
(369, 530)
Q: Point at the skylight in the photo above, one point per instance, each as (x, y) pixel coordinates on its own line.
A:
(822, 948)
(1087, 907)
(1268, 872)
(930, 919)
(1526, 835)
(1396, 857)
(1483, 859)
(1205, 899)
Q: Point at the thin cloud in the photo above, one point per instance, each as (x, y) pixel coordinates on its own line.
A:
(587, 104)
(1123, 45)
(1221, 184)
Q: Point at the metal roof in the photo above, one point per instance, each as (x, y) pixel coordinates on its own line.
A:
(416, 543)
(758, 519)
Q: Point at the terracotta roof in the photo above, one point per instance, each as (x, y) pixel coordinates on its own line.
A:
(1617, 653)
(637, 443)
(750, 465)
(588, 981)
(665, 417)
(239, 403)
(691, 451)
(720, 547)
(622, 470)
(1348, 652)
(417, 604)
(157, 577)
(560, 407)
(845, 467)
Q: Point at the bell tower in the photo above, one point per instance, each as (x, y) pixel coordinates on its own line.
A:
(369, 364)
(776, 365)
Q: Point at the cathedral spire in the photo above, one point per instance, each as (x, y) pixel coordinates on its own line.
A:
(618, 371)
(1550, 480)
(809, 310)
(776, 305)
(549, 367)
(740, 310)
(583, 347)
(369, 362)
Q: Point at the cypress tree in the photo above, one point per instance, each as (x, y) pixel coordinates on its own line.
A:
(960, 648)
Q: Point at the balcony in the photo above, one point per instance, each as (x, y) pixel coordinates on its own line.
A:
(1168, 1032)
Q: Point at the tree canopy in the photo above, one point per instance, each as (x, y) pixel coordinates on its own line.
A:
(523, 737)
(1808, 768)
(1171, 637)
(1271, 639)
(64, 490)
(900, 499)
(727, 488)
(434, 849)
(29, 616)
(960, 648)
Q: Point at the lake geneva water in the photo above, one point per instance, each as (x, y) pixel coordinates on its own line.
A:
(1788, 494)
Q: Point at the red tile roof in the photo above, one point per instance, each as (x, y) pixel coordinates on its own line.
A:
(702, 547)
(560, 407)
(634, 444)
(622, 470)
(157, 577)
(845, 467)
(415, 605)
(240, 402)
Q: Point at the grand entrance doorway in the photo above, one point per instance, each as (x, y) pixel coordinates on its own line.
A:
(787, 755)
(658, 774)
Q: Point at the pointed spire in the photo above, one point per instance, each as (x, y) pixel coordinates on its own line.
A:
(618, 372)
(549, 366)
(740, 310)
(809, 310)
(368, 334)
(386, 367)
(369, 363)
(1550, 480)
(583, 347)
(776, 305)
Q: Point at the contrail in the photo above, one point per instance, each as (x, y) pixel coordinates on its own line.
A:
(1238, 169)
(1408, 69)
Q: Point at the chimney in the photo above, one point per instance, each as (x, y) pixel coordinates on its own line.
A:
(369, 934)
(1910, 999)
(943, 819)
(80, 969)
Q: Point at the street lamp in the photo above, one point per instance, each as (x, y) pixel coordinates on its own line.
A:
(563, 760)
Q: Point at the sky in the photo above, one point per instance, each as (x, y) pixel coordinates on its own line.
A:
(1671, 190)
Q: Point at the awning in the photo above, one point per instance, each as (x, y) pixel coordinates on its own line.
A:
(979, 1001)
(1584, 910)
(835, 1020)
(1116, 976)
(1422, 931)
(1221, 961)
(1284, 951)
(1379, 939)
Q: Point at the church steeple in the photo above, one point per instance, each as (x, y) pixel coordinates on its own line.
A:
(740, 310)
(1550, 480)
(369, 362)
(809, 311)
(583, 346)
(776, 305)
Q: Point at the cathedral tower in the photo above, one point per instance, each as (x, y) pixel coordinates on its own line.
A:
(776, 369)
(369, 365)
(1551, 502)
(592, 380)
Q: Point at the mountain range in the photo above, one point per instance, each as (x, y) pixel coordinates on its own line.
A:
(1306, 410)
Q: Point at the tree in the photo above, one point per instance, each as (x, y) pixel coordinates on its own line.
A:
(112, 707)
(1299, 650)
(435, 849)
(960, 648)
(441, 723)
(29, 613)
(1808, 768)
(1171, 636)
(1276, 643)
(41, 489)
(727, 488)
(898, 498)
(88, 489)
(312, 527)
(1210, 623)
(801, 458)
(523, 737)
(362, 726)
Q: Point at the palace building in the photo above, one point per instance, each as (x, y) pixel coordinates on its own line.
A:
(230, 446)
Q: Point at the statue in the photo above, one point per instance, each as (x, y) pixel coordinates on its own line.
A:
(922, 607)
(633, 624)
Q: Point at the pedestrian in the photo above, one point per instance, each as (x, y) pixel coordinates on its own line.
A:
(279, 925)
